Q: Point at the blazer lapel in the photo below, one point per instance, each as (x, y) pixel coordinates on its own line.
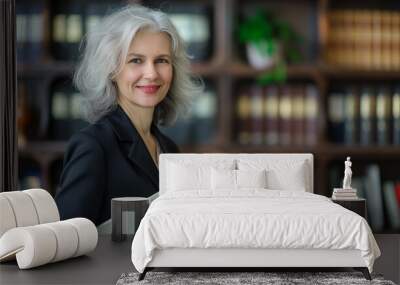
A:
(162, 141)
(133, 145)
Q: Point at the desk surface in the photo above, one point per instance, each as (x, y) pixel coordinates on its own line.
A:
(104, 265)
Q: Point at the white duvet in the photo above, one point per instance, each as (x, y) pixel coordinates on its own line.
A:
(253, 218)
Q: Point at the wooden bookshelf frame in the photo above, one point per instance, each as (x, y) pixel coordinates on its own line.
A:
(8, 98)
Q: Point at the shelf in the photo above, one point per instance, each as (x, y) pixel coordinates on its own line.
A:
(293, 71)
(388, 152)
(348, 73)
(47, 148)
(238, 148)
(327, 149)
(42, 69)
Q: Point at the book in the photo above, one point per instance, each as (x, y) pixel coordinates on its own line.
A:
(336, 116)
(285, 115)
(367, 116)
(335, 197)
(311, 114)
(298, 115)
(74, 27)
(373, 194)
(396, 116)
(271, 105)
(397, 190)
(256, 115)
(383, 113)
(357, 183)
(344, 191)
(205, 111)
(22, 16)
(194, 24)
(58, 35)
(392, 208)
(243, 109)
(36, 27)
(351, 116)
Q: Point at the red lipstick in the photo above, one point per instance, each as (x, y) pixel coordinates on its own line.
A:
(149, 89)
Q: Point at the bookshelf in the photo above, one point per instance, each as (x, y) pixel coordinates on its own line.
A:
(224, 67)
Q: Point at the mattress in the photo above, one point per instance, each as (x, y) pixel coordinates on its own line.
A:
(251, 219)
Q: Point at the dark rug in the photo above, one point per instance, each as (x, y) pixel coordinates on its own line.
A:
(229, 278)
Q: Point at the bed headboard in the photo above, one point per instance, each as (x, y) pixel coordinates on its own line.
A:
(277, 158)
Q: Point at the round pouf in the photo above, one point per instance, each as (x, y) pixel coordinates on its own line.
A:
(122, 211)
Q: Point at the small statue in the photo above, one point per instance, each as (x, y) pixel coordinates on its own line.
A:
(347, 174)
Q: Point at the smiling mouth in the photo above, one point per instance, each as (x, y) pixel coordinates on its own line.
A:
(149, 89)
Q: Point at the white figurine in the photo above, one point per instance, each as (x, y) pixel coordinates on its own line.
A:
(347, 174)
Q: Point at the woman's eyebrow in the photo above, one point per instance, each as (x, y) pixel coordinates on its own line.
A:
(141, 55)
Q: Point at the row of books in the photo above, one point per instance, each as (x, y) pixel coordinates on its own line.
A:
(365, 115)
(66, 114)
(367, 39)
(277, 115)
(70, 20)
(201, 125)
(54, 116)
(382, 196)
(344, 194)
(30, 30)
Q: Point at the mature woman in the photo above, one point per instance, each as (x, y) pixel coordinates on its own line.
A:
(134, 76)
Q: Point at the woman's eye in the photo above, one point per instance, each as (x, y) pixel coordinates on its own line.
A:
(136, 60)
(162, 60)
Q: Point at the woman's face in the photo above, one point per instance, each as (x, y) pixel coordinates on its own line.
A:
(147, 72)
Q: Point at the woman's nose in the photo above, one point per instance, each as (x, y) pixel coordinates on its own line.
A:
(150, 71)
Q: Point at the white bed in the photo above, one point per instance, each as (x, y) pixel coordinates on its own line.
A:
(247, 210)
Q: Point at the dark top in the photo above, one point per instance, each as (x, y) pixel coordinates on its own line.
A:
(105, 160)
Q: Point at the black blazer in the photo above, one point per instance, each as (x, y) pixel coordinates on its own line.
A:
(105, 160)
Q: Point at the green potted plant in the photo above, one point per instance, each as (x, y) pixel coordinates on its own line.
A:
(269, 42)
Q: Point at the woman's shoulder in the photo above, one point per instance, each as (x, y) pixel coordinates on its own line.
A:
(96, 134)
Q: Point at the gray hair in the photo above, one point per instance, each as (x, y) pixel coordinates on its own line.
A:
(106, 49)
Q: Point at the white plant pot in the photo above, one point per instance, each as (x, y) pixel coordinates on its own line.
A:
(259, 59)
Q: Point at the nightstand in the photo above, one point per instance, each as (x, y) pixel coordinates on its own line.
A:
(357, 205)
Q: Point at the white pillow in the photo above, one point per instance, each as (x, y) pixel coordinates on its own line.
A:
(225, 179)
(186, 175)
(281, 174)
(251, 178)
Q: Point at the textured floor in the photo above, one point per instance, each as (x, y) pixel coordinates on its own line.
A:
(226, 278)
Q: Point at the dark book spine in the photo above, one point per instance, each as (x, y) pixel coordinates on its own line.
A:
(22, 16)
(271, 108)
(243, 108)
(285, 116)
(367, 114)
(60, 112)
(311, 115)
(74, 28)
(383, 108)
(94, 12)
(194, 24)
(351, 116)
(58, 34)
(35, 39)
(336, 115)
(298, 115)
(257, 115)
(205, 111)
